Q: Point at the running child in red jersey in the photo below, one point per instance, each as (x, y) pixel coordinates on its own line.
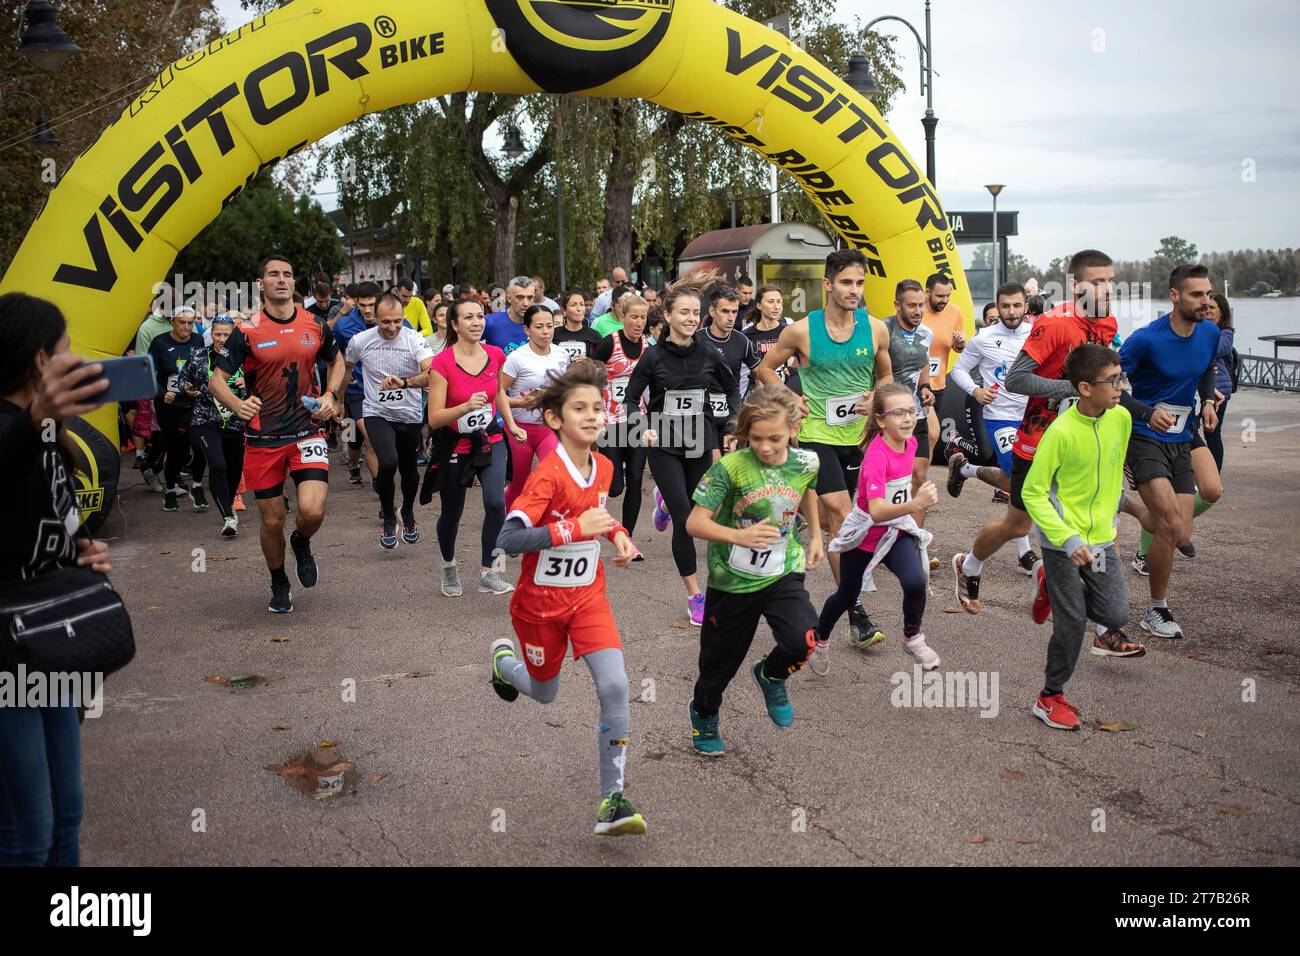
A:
(555, 523)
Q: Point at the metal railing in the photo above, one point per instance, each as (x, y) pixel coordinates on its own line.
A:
(1259, 371)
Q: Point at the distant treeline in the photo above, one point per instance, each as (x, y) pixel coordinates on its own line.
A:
(1248, 272)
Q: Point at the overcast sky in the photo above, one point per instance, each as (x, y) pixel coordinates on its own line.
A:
(1114, 149)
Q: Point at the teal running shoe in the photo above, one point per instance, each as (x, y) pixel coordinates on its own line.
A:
(704, 735)
(778, 704)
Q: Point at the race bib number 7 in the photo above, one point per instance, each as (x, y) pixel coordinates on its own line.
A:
(568, 566)
(314, 451)
(1180, 412)
(936, 365)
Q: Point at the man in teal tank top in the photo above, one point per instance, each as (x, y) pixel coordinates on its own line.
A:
(843, 354)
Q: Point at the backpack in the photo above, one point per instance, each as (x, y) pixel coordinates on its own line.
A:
(1234, 370)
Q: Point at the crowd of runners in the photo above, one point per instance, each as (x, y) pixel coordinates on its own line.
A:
(780, 443)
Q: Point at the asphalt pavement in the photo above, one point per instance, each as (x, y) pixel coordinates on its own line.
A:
(377, 670)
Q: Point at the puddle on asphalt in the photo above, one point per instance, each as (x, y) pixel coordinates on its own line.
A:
(319, 774)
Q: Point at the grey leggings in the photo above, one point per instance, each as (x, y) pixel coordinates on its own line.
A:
(607, 671)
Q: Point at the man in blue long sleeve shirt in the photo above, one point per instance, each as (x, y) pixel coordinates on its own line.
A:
(1169, 362)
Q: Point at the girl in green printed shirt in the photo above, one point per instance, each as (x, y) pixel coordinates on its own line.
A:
(745, 507)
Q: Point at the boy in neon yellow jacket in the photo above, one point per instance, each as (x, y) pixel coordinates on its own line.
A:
(1072, 494)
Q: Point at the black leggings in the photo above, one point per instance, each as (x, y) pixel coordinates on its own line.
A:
(1214, 439)
(677, 476)
(904, 559)
(493, 480)
(172, 422)
(224, 451)
(396, 445)
(629, 459)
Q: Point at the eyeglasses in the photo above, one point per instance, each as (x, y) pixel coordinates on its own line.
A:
(901, 413)
(1118, 381)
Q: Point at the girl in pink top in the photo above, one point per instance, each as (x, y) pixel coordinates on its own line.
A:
(466, 395)
(885, 493)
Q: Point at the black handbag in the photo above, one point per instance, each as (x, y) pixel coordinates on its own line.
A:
(66, 620)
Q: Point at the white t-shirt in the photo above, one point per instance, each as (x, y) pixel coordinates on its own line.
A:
(530, 371)
(992, 352)
(378, 358)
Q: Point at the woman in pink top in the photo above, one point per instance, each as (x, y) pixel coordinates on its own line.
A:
(466, 396)
(885, 493)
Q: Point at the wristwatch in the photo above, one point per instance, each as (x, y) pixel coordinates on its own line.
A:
(404, 384)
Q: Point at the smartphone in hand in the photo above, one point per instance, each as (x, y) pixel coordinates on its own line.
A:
(129, 378)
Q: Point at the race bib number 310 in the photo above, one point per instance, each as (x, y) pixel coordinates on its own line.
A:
(568, 566)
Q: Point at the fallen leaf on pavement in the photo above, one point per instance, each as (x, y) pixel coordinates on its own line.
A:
(953, 610)
(278, 727)
(1200, 733)
(327, 744)
(1011, 774)
(1114, 726)
(215, 679)
(1235, 810)
(978, 838)
(279, 640)
(376, 777)
(1023, 841)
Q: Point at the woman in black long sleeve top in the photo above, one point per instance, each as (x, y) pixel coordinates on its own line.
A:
(41, 386)
(680, 372)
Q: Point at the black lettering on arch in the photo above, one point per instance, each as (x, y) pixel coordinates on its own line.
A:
(263, 114)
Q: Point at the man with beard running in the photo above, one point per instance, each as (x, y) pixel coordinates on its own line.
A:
(277, 350)
(843, 354)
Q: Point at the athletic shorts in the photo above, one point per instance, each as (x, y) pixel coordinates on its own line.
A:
(922, 434)
(1019, 472)
(265, 469)
(1002, 449)
(1148, 459)
(590, 628)
(839, 467)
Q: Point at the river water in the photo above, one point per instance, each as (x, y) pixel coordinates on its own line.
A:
(1251, 318)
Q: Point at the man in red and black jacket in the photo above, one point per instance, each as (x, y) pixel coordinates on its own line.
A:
(286, 413)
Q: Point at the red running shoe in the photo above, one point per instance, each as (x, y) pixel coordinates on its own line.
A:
(1056, 711)
(1042, 603)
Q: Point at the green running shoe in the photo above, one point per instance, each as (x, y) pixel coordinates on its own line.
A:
(863, 633)
(617, 817)
(503, 647)
(704, 735)
(778, 704)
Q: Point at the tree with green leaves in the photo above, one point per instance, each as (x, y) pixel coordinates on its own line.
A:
(126, 45)
(264, 219)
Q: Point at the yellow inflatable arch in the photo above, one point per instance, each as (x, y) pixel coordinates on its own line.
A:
(190, 142)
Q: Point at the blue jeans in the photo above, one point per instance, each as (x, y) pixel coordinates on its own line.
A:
(40, 786)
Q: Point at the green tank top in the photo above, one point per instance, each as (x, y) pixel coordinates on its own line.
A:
(837, 371)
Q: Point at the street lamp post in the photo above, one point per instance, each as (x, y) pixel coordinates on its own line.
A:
(859, 77)
(43, 135)
(43, 40)
(995, 190)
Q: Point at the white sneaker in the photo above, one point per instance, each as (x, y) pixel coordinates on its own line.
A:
(493, 583)
(230, 526)
(451, 580)
(820, 662)
(926, 657)
(1159, 622)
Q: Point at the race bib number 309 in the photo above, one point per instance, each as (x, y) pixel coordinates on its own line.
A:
(313, 451)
